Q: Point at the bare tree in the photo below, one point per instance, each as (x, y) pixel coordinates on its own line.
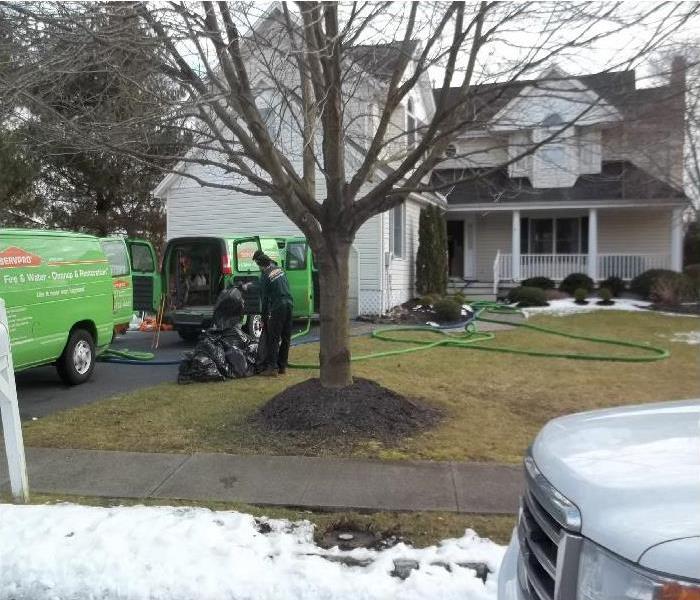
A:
(305, 103)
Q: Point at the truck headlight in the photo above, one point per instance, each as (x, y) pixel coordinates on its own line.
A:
(604, 576)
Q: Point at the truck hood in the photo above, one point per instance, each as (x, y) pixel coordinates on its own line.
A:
(633, 472)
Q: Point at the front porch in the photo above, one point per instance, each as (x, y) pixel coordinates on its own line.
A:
(508, 246)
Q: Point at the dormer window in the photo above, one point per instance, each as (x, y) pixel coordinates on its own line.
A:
(451, 151)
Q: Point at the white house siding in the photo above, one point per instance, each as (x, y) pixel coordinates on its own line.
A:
(493, 233)
(641, 231)
(400, 276)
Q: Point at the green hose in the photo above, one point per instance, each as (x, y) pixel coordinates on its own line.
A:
(470, 338)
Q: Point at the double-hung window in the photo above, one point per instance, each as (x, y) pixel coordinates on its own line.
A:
(397, 228)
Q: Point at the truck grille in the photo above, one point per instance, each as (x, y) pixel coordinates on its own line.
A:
(549, 544)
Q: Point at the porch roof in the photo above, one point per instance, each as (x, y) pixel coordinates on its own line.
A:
(618, 180)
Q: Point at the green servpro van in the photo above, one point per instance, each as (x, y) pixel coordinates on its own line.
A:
(196, 269)
(57, 288)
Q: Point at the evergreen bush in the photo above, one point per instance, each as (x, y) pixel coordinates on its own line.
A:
(431, 260)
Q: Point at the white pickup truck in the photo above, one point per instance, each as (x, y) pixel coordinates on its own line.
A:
(611, 509)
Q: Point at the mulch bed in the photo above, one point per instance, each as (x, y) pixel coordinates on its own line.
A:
(363, 410)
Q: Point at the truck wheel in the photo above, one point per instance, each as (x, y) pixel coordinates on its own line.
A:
(254, 326)
(77, 362)
(189, 334)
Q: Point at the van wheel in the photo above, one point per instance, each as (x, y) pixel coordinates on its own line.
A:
(254, 326)
(77, 362)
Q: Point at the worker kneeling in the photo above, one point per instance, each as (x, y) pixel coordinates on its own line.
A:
(277, 307)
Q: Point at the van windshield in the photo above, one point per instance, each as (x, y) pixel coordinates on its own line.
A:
(116, 254)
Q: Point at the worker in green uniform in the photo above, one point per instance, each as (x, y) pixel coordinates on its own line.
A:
(277, 305)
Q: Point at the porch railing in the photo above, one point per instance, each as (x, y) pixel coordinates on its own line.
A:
(558, 266)
(628, 266)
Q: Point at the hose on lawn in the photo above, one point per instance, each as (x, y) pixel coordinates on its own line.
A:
(470, 338)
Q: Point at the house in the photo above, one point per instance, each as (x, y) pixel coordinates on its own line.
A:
(382, 272)
(565, 174)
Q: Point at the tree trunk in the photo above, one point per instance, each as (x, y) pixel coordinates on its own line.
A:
(334, 354)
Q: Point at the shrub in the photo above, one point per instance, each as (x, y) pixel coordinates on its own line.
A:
(616, 285)
(574, 281)
(431, 259)
(555, 295)
(446, 309)
(672, 289)
(580, 295)
(459, 298)
(527, 296)
(644, 282)
(544, 283)
(605, 296)
(426, 300)
(693, 272)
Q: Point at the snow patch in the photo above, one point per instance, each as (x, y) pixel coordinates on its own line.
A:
(567, 306)
(70, 551)
(689, 337)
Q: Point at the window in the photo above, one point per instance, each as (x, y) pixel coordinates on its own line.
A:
(117, 257)
(553, 156)
(451, 151)
(141, 258)
(244, 256)
(397, 227)
(410, 125)
(296, 256)
(554, 236)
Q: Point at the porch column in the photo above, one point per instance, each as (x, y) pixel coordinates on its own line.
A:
(465, 252)
(515, 243)
(677, 239)
(593, 243)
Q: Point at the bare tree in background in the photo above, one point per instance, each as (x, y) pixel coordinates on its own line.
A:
(280, 105)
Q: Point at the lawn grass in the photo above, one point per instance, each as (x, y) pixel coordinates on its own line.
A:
(494, 403)
(420, 528)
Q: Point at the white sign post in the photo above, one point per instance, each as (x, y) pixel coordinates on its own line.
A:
(11, 425)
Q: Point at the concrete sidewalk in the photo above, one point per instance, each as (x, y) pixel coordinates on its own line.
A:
(325, 483)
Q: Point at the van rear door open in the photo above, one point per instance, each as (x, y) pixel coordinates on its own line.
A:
(146, 279)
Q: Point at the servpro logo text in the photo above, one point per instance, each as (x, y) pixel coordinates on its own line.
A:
(16, 257)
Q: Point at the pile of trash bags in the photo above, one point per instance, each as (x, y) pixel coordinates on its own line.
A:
(223, 351)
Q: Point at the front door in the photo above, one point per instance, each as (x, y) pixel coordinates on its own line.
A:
(455, 248)
(469, 245)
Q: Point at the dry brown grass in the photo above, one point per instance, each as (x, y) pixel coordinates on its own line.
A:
(495, 403)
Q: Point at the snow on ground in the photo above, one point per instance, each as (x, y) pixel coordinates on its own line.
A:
(567, 306)
(688, 337)
(71, 552)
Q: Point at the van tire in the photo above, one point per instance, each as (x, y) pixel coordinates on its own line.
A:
(77, 362)
(254, 325)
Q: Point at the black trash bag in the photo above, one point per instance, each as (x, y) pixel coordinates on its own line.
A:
(198, 368)
(228, 309)
(239, 365)
(218, 355)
